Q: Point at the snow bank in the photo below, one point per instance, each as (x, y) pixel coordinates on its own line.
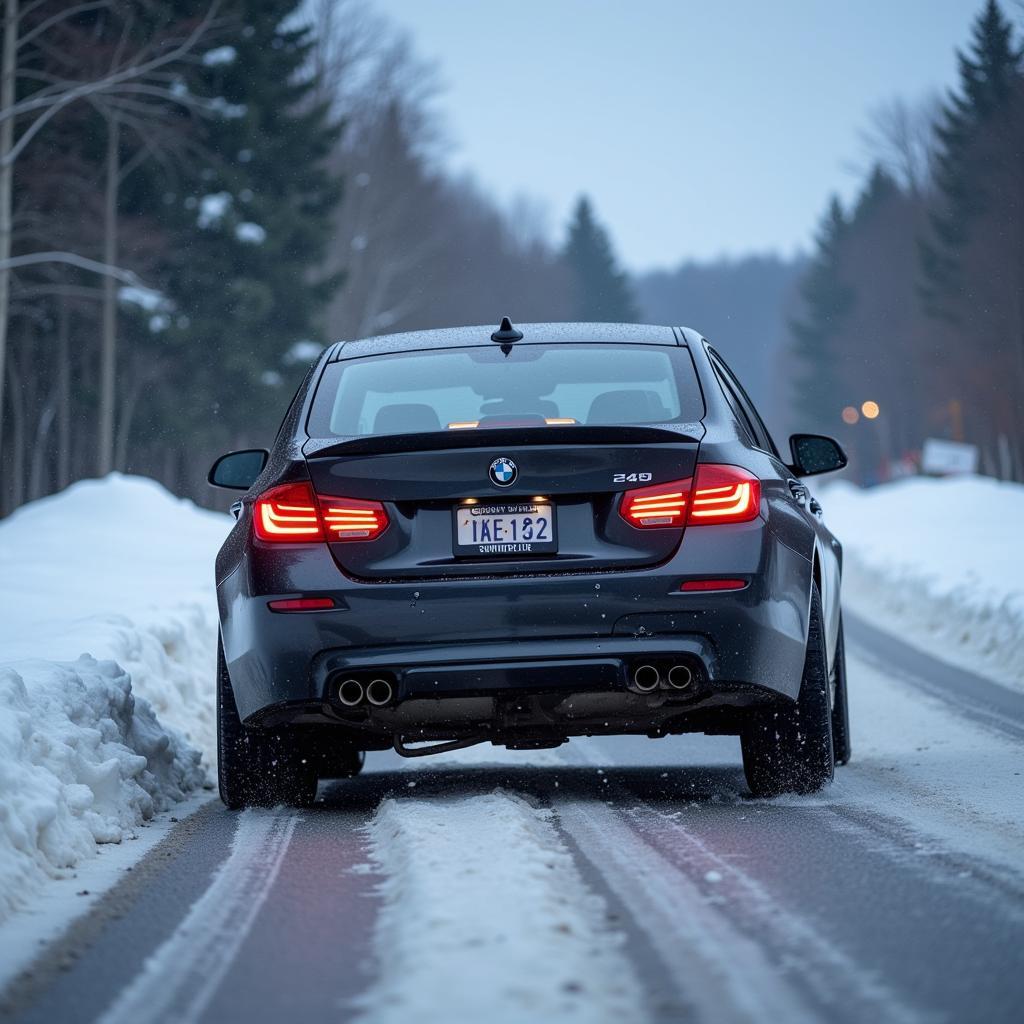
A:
(107, 654)
(485, 915)
(123, 570)
(941, 562)
(81, 762)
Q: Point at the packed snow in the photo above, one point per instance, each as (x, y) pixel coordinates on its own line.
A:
(107, 653)
(82, 762)
(940, 562)
(515, 934)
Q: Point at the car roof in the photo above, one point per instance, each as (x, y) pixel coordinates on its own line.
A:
(534, 333)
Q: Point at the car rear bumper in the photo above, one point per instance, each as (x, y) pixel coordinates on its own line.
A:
(539, 634)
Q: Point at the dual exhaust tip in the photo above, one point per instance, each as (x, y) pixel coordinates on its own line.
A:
(352, 693)
(379, 692)
(649, 677)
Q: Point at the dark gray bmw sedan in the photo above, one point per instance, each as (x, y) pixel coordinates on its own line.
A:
(518, 536)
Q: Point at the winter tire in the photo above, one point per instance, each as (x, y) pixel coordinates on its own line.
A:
(789, 749)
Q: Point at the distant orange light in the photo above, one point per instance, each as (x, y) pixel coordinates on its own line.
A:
(464, 425)
(850, 415)
(870, 410)
(559, 421)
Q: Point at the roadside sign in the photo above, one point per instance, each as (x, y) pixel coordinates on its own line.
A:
(946, 458)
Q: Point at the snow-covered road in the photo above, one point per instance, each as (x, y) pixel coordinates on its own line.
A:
(611, 880)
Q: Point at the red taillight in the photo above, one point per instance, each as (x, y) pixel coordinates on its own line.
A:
(351, 519)
(287, 514)
(290, 514)
(301, 604)
(718, 494)
(654, 507)
(724, 494)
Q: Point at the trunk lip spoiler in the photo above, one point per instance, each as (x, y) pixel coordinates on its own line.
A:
(504, 437)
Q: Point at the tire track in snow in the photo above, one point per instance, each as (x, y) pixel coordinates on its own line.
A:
(772, 964)
(924, 766)
(180, 978)
(727, 941)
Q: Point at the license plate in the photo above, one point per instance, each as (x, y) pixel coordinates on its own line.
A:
(513, 529)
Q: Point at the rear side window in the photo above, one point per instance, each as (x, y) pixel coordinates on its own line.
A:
(533, 386)
(749, 414)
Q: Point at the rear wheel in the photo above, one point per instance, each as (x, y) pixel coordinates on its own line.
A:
(789, 749)
(257, 768)
(840, 709)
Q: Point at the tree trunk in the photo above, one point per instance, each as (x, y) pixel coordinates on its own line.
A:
(37, 475)
(108, 357)
(124, 425)
(16, 481)
(8, 62)
(63, 466)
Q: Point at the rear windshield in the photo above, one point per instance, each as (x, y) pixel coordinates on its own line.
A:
(532, 386)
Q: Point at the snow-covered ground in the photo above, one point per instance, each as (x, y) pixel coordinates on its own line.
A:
(502, 899)
(536, 945)
(940, 563)
(107, 634)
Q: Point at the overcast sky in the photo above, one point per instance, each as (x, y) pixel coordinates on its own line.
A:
(698, 127)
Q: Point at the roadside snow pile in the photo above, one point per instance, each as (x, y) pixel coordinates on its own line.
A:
(81, 762)
(485, 915)
(941, 562)
(121, 569)
(107, 654)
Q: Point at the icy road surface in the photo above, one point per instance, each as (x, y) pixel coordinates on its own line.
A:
(610, 880)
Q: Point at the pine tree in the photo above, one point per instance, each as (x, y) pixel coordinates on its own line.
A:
(602, 291)
(249, 225)
(988, 72)
(827, 301)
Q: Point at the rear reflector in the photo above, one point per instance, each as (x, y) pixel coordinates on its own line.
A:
(287, 514)
(706, 585)
(301, 604)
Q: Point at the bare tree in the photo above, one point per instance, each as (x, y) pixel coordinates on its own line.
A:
(901, 139)
(8, 66)
(136, 72)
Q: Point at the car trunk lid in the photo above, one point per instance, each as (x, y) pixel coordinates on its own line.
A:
(425, 479)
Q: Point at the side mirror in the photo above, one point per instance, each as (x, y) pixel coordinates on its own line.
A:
(238, 470)
(814, 453)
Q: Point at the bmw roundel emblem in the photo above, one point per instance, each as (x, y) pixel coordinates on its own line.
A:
(503, 472)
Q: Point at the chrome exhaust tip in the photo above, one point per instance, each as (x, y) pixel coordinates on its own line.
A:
(646, 678)
(379, 692)
(680, 677)
(351, 693)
